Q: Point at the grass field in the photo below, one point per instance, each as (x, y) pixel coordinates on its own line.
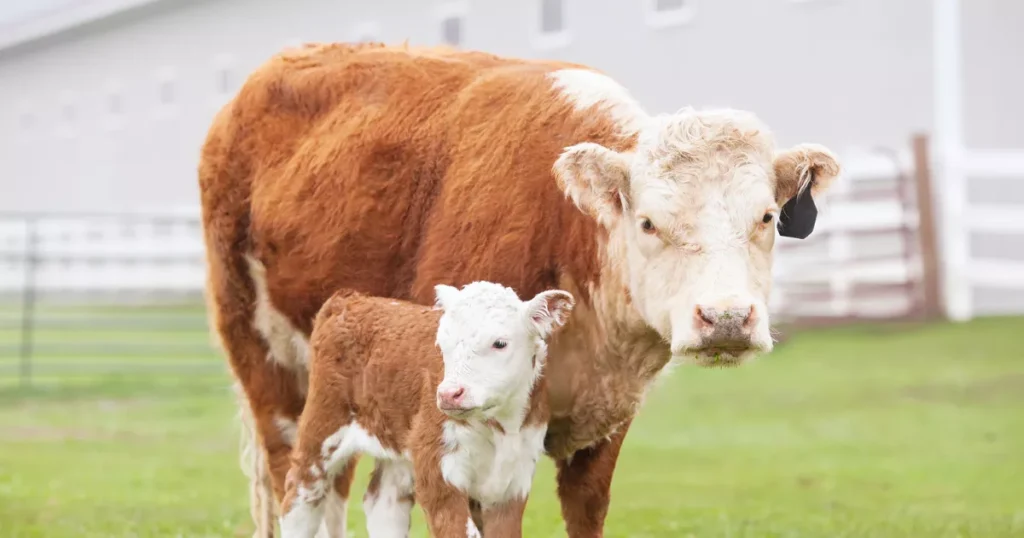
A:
(854, 432)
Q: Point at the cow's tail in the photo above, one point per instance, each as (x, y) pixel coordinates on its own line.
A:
(254, 466)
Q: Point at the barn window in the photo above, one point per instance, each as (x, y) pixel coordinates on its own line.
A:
(367, 32)
(552, 30)
(67, 113)
(27, 121)
(451, 19)
(451, 30)
(552, 16)
(224, 80)
(166, 92)
(663, 13)
(114, 104)
(669, 5)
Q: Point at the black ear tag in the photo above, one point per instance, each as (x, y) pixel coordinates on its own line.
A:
(797, 216)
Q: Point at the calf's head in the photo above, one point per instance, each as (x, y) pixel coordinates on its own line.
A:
(493, 344)
(691, 213)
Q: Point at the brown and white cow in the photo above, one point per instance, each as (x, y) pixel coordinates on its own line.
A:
(450, 404)
(390, 170)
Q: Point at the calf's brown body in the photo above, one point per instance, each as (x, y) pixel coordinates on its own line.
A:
(374, 366)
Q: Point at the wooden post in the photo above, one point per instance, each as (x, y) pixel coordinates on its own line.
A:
(932, 306)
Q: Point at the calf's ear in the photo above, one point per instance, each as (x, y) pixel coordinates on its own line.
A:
(549, 310)
(445, 296)
(596, 179)
(802, 173)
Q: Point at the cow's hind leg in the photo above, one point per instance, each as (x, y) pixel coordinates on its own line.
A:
(389, 500)
(584, 486)
(274, 393)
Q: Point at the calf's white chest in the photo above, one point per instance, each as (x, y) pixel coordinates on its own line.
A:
(491, 466)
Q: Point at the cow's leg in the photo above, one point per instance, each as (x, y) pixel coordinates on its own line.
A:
(254, 466)
(477, 512)
(504, 520)
(584, 485)
(389, 500)
(274, 393)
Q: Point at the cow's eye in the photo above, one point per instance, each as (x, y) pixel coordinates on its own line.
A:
(499, 344)
(767, 218)
(647, 226)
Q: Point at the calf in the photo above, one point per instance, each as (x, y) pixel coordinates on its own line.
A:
(449, 401)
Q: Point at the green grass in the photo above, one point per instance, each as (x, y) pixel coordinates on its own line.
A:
(853, 432)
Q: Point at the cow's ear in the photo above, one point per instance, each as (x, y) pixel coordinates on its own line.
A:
(549, 310)
(802, 173)
(596, 179)
(445, 296)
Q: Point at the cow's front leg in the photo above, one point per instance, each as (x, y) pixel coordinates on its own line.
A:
(584, 485)
(504, 520)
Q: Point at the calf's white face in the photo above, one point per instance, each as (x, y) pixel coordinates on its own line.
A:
(691, 214)
(493, 345)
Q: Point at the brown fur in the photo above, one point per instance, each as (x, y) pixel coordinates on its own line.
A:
(392, 169)
(374, 363)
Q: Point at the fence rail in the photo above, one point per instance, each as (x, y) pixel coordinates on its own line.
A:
(89, 294)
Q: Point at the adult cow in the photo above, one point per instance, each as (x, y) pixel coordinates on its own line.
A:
(392, 169)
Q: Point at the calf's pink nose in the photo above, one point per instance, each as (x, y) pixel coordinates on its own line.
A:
(450, 398)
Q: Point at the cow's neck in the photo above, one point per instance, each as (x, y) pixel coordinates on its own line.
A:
(605, 337)
(628, 338)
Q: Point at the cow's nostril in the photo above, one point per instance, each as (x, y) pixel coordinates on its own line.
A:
(705, 316)
(458, 393)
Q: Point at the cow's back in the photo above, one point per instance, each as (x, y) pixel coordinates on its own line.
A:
(389, 170)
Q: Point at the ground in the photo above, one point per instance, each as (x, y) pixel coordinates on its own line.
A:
(857, 432)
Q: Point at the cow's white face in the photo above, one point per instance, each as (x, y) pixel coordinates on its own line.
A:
(494, 345)
(691, 215)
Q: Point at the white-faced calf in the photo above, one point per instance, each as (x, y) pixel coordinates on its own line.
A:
(449, 401)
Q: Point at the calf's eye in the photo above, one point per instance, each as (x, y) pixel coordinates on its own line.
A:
(767, 218)
(499, 344)
(647, 226)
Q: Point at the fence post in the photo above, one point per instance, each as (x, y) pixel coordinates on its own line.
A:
(927, 237)
(28, 302)
(947, 49)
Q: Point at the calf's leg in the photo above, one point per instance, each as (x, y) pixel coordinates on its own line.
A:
(389, 499)
(584, 485)
(446, 508)
(323, 460)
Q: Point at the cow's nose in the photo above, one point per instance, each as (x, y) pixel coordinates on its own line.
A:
(729, 327)
(450, 398)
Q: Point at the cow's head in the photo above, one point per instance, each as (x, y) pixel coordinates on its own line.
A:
(691, 213)
(493, 345)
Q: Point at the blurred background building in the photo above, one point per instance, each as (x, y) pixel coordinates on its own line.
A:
(105, 103)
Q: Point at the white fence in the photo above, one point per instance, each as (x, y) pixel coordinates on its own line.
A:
(102, 253)
(863, 260)
(865, 257)
(1003, 271)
